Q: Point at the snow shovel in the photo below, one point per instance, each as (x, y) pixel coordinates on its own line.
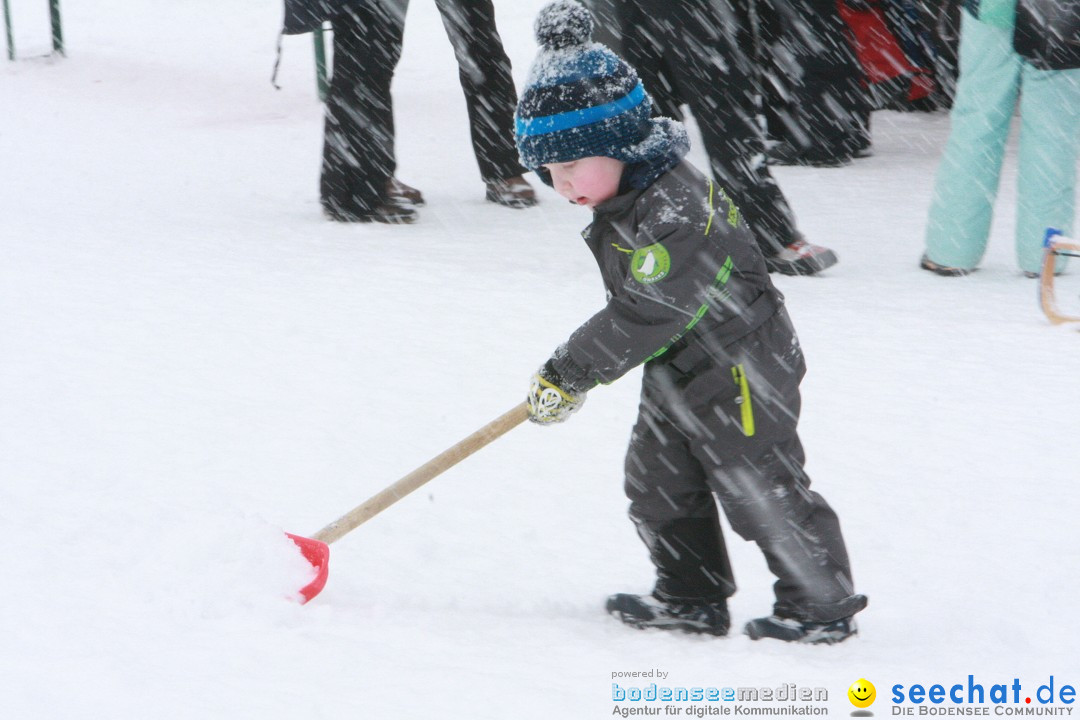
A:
(316, 548)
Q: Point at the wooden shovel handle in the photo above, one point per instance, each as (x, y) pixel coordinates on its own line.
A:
(431, 469)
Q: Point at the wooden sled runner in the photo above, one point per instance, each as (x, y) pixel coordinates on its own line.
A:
(1056, 245)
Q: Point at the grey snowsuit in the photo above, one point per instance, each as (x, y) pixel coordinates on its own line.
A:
(689, 295)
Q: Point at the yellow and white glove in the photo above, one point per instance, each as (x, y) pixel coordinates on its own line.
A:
(549, 403)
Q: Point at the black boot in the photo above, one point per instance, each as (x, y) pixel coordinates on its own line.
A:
(684, 614)
(801, 258)
(790, 630)
(812, 625)
(389, 212)
(785, 153)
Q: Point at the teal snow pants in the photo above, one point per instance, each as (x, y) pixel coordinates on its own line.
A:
(992, 74)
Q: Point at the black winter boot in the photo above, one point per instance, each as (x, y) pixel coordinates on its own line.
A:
(816, 624)
(809, 633)
(390, 213)
(801, 258)
(687, 615)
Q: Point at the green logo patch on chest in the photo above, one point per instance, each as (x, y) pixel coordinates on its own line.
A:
(650, 263)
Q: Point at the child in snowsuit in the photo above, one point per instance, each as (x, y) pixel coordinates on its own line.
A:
(690, 297)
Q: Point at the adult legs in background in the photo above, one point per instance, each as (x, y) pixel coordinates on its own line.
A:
(484, 69)
(730, 123)
(967, 179)
(358, 139)
(490, 97)
(826, 114)
(1049, 148)
(691, 53)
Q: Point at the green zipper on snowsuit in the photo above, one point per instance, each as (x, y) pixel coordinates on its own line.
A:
(721, 278)
(743, 400)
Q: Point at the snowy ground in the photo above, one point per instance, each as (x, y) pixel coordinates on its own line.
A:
(191, 359)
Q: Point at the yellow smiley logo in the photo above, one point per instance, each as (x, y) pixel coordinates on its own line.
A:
(862, 693)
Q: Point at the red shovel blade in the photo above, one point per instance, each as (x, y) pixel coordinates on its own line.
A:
(318, 554)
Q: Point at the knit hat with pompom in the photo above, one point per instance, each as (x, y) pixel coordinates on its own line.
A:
(582, 100)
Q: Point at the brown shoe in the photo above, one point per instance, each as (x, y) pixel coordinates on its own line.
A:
(514, 192)
(402, 194)
(944, 270)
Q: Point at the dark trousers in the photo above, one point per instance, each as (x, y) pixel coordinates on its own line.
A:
(358, 137)
(816, 99)
(701, 53)
(726, 431)
(358, 147)
(490, 96)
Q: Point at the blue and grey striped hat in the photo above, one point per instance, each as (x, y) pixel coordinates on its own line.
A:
(580, 99)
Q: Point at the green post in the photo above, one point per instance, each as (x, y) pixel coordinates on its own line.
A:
(57, 33)
(320, 64)
(7, 32)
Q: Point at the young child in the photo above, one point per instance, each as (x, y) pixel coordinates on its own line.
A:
(689, 296)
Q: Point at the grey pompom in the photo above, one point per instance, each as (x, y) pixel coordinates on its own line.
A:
(563, 24)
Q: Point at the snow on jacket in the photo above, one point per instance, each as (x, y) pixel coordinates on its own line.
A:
(678, 264)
